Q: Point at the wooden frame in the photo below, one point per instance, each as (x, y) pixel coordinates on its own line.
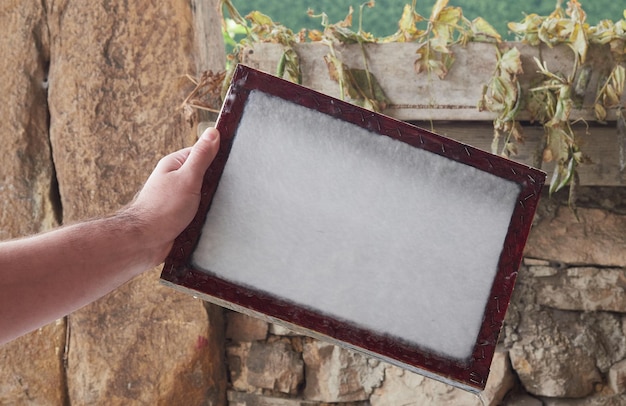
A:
(469, 372)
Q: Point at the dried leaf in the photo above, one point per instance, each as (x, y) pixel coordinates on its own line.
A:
(315, 35)
(600, 112)
(576, 12)
(370, 88)
(547, 155)
(481, 28)
(511, 62)
(578, 42)
(335, 68)
(407, 27)
(437, 9)
(621, 139)
(258, 18)
(528, 29)
(495, 142)
(580, 87)
(358, 85)
(445, 24)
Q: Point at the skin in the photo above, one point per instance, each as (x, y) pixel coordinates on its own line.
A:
(47, 276)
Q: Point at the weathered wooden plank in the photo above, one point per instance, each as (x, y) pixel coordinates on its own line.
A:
(426, 97)
(600, 142)
(449, 106)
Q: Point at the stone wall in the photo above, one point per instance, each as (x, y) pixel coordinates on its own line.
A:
(564, 340)
(91, 95)
(90, 102)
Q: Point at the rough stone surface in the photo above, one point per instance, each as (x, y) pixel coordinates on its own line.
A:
(279, 330)
(560, 353)
(116, 81)
(401, 387)
(596, 400)
(334, 374)
(521, 398)
(251, 399)
(597, 239)
(26, 173)
(129, 349)
(258, 365)
(31, 371)
(581, 288)
(240, 327)
(617, 377)
(501, 379)
(544, 372)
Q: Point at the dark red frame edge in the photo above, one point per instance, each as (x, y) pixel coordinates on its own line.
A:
(473, 372)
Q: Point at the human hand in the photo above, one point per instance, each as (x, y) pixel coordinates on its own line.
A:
(170, 197)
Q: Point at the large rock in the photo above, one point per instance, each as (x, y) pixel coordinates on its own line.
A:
(117, 79)
(617, 377)
(594, 400)
(32, 368)
(31, 371)
(581, 288)
(130, 349)
(252, 399)
(560, 353)
(257, 366)
(402, 387)
(596, 237)
(334, 374)
(27, 173)
(241, 327)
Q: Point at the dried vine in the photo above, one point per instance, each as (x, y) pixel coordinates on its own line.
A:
(549, 102)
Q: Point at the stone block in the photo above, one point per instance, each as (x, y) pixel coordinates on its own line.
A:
(241, 327)
(32, 368)
(584, 289)
(144, 344)
(597, 237)
(32, 365)
(617, 377)
(501, 379)
(252, 399)
(255, 366)
(280, 330)
(334, 374)
(116, 81)
(402, 387)
(560, 354)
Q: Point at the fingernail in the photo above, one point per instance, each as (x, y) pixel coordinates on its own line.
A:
(210, 134)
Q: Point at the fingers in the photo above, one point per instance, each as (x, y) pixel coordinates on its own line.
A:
(203, 152)
(173, 161)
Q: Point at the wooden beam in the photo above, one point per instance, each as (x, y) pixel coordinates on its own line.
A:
(449, 106)
(599, 142)
(426, 97)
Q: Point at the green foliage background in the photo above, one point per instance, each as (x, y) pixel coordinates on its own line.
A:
(382, 19)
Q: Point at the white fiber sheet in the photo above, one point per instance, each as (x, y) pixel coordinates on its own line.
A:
(357, 225)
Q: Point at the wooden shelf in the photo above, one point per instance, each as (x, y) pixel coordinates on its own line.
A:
(449, 106)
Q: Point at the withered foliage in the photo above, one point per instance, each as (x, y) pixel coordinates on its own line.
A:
(206, 95)
(549, 102)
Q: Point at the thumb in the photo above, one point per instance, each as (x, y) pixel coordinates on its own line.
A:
(203, 152)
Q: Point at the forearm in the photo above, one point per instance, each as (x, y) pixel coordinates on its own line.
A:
(50, 275)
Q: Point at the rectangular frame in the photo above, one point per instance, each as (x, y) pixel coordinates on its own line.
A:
(471, 373)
